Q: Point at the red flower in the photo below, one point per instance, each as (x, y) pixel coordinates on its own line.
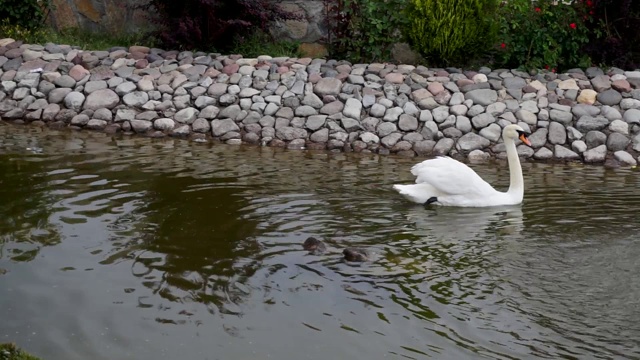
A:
(546, 67)
(589, 3)
(503, 45)
(537, 9)
(553, 70)
(572, 25)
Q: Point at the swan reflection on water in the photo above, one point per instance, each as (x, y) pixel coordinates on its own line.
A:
(459, 224)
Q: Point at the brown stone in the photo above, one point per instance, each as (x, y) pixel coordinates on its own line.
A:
(435, 88)
(86, 8)
(138, 48)
(142, 63)
(137, 55)
(14, 53)
(621, 85)
(211, 72)
(394, 78)
(313, 50)
(78, 72)
(231, 69)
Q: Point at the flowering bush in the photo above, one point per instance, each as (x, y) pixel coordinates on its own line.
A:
(542, 34)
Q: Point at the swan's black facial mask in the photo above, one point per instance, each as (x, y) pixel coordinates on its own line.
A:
(523, 137)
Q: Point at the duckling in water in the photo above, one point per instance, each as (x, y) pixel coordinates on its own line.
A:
(314, 246)
(356, 254)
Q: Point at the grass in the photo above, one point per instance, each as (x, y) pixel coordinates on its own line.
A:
(87, 40)
(10, 351)
(251, 46)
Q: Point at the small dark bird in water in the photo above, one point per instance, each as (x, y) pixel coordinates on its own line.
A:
(314, 246)
(356, 254)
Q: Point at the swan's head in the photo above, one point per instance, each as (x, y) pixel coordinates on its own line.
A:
(514, 132)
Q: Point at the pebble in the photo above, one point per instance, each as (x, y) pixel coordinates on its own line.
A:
(590, 116)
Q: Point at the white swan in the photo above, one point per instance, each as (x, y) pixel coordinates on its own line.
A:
(445, 181)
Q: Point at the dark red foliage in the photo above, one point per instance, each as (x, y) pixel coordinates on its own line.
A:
(618, 22)
(211, 24)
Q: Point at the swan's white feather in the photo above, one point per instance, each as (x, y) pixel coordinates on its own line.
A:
(451, 177)
(455, 184)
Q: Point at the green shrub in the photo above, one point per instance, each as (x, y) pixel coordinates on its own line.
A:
(542, 35)
(364, 30)
(28, 14)
(452, 31)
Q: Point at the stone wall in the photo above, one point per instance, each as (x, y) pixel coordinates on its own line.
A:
(97, 15)
(591, 116)
(118, 15)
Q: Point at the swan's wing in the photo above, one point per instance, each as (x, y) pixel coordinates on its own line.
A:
(451, 177)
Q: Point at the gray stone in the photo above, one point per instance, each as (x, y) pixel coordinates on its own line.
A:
(328, 86)
(482, 120)
(595, 138)
(305, 110)
(631, 116)
(472, 141)
(543, 154)
(579, 146)
(609, 97)
(350, 124)
(444, 145)
(141, 126)
(315, 122)
(320, 136)
(74, 100)
(391, 140)
(230, 112)
(463, 124)
(562, 153)
(440, 113)
(619, 126)
(209, 112)
(587, 123)
(201, 125)
(164, 124)
(125, 88)
(611, 113)
(581, 110)
(385, 128)
(617, 141)
(135, 99)
(65, 81)
(186, 116)
(595, 155)
(103, 98)
(482, 96)
(625, 158)
(221, 127)
(492, 132)
(407, 123)
(80, 120)
(56, 96)
(352, 108)
(393, 114)
(92, 86)
(557, 133)
(96, 124)
(288, 133)
(527, 116)
(562, 117)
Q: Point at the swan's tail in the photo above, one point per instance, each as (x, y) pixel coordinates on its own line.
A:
(417, 193)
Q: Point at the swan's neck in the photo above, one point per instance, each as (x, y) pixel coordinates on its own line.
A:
(516, 184)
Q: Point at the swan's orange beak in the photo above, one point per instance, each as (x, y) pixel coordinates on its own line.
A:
(524, 139)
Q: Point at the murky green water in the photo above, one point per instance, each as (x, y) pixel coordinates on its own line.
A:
(136, 248)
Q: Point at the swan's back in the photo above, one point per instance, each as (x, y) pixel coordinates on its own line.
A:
(450, 177)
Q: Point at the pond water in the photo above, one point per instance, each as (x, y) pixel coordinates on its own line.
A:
(135, 248)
